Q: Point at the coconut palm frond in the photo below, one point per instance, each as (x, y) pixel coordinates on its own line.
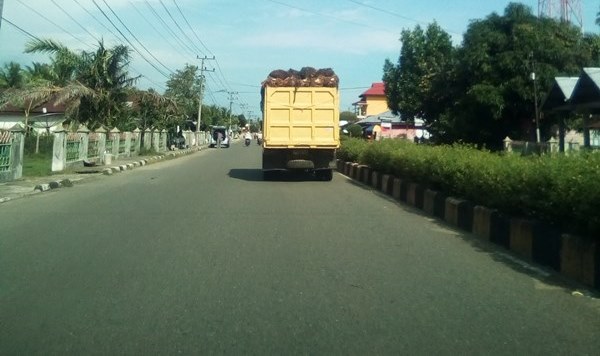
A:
(45, 46)
(72, 92)
(18, 97)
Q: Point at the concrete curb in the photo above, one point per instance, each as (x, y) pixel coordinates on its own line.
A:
(572, 256)
(53, 184)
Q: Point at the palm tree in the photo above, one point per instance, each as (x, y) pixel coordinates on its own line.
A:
(23, 89)
(94, 84)
(11, 76)
(41, 71)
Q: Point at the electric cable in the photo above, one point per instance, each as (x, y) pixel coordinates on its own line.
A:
(135, 37)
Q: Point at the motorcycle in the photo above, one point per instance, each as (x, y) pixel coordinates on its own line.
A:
(247, 142)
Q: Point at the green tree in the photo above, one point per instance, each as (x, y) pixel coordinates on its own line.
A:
(495, 62)
(213, 115)
(482, 91)
(94, 84)
(348, 116)
(183, 87)
(242, 121)
(354, 130)
(24, 89)
(418, 85)
(11, 76)
(41, 71)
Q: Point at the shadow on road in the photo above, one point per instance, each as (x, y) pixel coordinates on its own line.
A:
(247, 174)
(501, 254)
(256, 175)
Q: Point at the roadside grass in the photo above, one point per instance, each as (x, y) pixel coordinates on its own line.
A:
(37, 165)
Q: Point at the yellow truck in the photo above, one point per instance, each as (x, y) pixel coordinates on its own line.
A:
(300, 124)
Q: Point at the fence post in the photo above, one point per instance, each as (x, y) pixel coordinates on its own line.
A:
(553, 143)
(163, 140)
(137, 134)
(156, 139)
(84, 134)
(188, 138)
(573, 146)
(147, 139)
(114, 135)
(101, 132)
(59, 151)
(17, 151)
(195, 139)
(127, 148)
(507, 144)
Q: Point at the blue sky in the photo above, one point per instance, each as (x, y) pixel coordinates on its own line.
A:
(249, 38)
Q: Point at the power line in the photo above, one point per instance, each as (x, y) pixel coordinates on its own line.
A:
(100, 22)
(180, 29)
(74, 20)
(168, 29)
(135, 38)
(221, 78)
(53, 23)
(133, 69)
(397, 15)
(154, 28)
(20, 29)
(129, 42)
(329, 16)
(190, 27)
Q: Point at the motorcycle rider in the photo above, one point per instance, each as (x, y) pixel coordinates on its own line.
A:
(247, 138)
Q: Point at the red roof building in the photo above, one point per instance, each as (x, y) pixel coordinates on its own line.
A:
(372, 101)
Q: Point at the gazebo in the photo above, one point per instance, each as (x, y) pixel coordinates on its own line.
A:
(577, 94)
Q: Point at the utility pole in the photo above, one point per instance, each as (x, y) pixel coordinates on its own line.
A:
(200, 95)
(232, 95)
(250, 116)
(1, 7)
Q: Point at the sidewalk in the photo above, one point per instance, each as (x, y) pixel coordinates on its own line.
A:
(27, 186)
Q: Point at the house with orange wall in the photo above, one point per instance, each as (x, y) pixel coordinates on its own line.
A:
(372, 101)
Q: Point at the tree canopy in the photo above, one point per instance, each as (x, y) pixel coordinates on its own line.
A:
(482, 91)
(97, 89)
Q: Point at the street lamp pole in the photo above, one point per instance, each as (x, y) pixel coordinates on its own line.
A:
(537, 110)
(535, 98)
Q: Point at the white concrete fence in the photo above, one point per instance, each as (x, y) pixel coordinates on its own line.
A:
(100, 146)
(12, 144)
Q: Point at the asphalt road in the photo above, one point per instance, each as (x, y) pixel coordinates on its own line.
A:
(200, 256)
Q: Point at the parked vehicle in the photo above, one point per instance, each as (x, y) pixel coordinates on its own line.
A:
(300, 125)
(216, 133)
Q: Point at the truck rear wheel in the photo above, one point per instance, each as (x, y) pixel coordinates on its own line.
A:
(324, 174)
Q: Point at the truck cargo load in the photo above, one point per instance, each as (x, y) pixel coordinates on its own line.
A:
(300, 121)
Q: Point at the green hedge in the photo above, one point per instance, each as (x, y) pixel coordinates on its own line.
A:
(561, 190)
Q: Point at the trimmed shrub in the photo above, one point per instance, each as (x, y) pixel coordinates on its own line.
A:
(354, 130)
(563, 191)
(351, 149)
